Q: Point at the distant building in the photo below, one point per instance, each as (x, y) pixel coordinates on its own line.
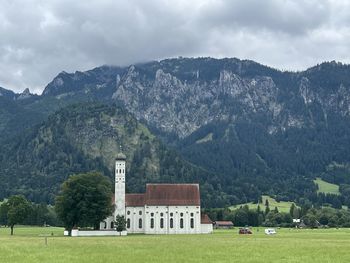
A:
(162, 209)
(223, 224)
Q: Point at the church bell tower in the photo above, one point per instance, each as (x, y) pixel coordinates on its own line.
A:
(120, 185)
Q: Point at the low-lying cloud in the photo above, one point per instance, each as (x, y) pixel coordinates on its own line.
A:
(41, 38)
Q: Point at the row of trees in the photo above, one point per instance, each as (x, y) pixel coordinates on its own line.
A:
(310, 216)
(18, 210)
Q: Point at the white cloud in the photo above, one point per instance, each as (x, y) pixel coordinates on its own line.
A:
(41, 38)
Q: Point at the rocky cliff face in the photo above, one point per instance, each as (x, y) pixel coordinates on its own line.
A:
(179, 96)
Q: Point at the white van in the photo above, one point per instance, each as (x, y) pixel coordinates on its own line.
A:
(270, 231)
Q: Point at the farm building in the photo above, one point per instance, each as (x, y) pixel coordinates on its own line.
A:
(162, 209)
(223, 224)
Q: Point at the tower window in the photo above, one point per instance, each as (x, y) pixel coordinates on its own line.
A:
(128, 223)
(181, 223)
(152, 223)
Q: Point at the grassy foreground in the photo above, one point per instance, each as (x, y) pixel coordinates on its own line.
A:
(328, 245)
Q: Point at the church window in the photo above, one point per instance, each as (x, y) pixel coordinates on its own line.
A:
(112, 224)
(162, 223)
(120, 171)
(181, 214)
(171, 214)
(152, 214)
(152, 222)
(128, 212)
(191, 214)
(181, 223)
(140, 212)
(128, 223)
(161, 214)
(105, 225)
(192, 223)
(140, 223)
(123, 170)
(171, 223)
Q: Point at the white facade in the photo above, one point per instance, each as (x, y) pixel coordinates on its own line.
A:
(156, 219)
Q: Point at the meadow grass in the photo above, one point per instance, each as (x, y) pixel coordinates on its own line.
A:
(289, 245)
(282, 206)
(327, 188)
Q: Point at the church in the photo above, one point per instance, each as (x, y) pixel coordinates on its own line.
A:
(162, 209)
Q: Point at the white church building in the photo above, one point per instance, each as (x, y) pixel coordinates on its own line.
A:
(162, 209)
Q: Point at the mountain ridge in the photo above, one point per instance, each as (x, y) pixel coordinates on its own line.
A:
(243, 121)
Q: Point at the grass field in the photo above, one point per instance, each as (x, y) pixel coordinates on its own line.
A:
(324, 187)
(289, 245)
(282, 206)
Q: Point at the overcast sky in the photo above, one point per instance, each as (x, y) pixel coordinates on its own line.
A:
(40, 38)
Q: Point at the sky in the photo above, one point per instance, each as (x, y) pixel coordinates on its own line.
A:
(40, 38)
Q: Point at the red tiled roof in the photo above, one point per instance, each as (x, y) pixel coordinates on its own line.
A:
(223, 223)
(172, 194)
(205, 219)
(135, 199)
(165, 194)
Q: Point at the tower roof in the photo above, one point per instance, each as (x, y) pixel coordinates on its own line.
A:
(121, 157)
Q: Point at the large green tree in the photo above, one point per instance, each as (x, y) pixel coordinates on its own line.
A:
(84, 200)
(15, 210)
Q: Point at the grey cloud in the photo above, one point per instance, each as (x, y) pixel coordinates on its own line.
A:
(287, 16)
(41, 38)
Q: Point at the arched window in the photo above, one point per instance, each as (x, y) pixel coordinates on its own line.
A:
(181, 223)
(192, 223)
(120, 171)
(162, 223)
(152, 222)
(112, 224)
(140, 223)
(105, 225)
(171, 223)
(128, 223)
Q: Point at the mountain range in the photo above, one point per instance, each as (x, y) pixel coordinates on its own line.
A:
(239, 128)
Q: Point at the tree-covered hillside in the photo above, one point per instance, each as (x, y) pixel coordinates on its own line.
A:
(257, 129)
(87, 137)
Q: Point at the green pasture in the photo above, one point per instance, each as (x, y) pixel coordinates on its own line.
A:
(282, 205)
(289, 245)
(327, 188)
